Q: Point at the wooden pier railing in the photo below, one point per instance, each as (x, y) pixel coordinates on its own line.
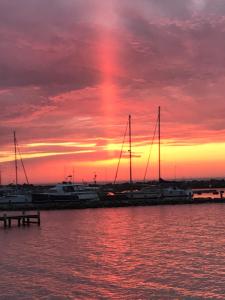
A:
(22, 219)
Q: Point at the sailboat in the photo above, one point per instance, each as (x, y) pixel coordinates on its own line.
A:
(159, 192)
(14, 196)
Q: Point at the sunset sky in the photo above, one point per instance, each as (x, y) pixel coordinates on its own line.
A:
(71, 71)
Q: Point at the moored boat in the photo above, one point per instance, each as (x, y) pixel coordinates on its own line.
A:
(67, 191)
(15, 199)
(157, 192)
(13, 194)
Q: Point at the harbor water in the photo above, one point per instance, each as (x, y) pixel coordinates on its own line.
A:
(156, 252)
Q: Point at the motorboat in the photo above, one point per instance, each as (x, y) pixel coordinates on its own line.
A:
(67, 191)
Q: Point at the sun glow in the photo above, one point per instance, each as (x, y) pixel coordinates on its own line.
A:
(113, 147)
(108, 60)
(61, 144)
(178, 161)
(10, 157)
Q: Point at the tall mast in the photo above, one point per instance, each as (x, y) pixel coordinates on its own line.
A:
(15, 149)
(159, 143)
(130, 149)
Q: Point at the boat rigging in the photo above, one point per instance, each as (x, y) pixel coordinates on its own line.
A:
(16, 152)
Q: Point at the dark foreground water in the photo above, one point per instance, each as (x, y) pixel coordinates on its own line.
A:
(161, 252)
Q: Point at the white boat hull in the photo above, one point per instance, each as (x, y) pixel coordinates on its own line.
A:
(14, 199)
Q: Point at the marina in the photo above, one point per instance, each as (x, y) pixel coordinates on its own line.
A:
(112, 142)
(71, 195)
(116, 199)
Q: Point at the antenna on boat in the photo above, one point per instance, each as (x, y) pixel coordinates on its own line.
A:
(95, 178)
(15, 153)
(130, 150)
(73, 175)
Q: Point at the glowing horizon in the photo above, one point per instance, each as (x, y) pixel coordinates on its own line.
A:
(176, 160)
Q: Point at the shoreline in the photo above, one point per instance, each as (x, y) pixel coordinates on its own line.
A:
(106, 203)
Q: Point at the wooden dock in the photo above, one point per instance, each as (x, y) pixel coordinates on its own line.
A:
(24, 219)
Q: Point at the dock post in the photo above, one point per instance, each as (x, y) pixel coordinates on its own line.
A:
(39, 219)
(5, 220)
(23, 218)
(9, 222)
(19, 222)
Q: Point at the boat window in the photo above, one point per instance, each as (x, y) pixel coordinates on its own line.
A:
(68, 189)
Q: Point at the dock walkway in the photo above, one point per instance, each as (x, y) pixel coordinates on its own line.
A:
(22, 219)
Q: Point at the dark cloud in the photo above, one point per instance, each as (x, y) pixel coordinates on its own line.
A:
(24, 63)
(47, 42)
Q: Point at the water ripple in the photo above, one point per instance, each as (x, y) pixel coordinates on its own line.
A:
(168, 252)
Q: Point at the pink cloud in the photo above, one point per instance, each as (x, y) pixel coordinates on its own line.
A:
(75, 70)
